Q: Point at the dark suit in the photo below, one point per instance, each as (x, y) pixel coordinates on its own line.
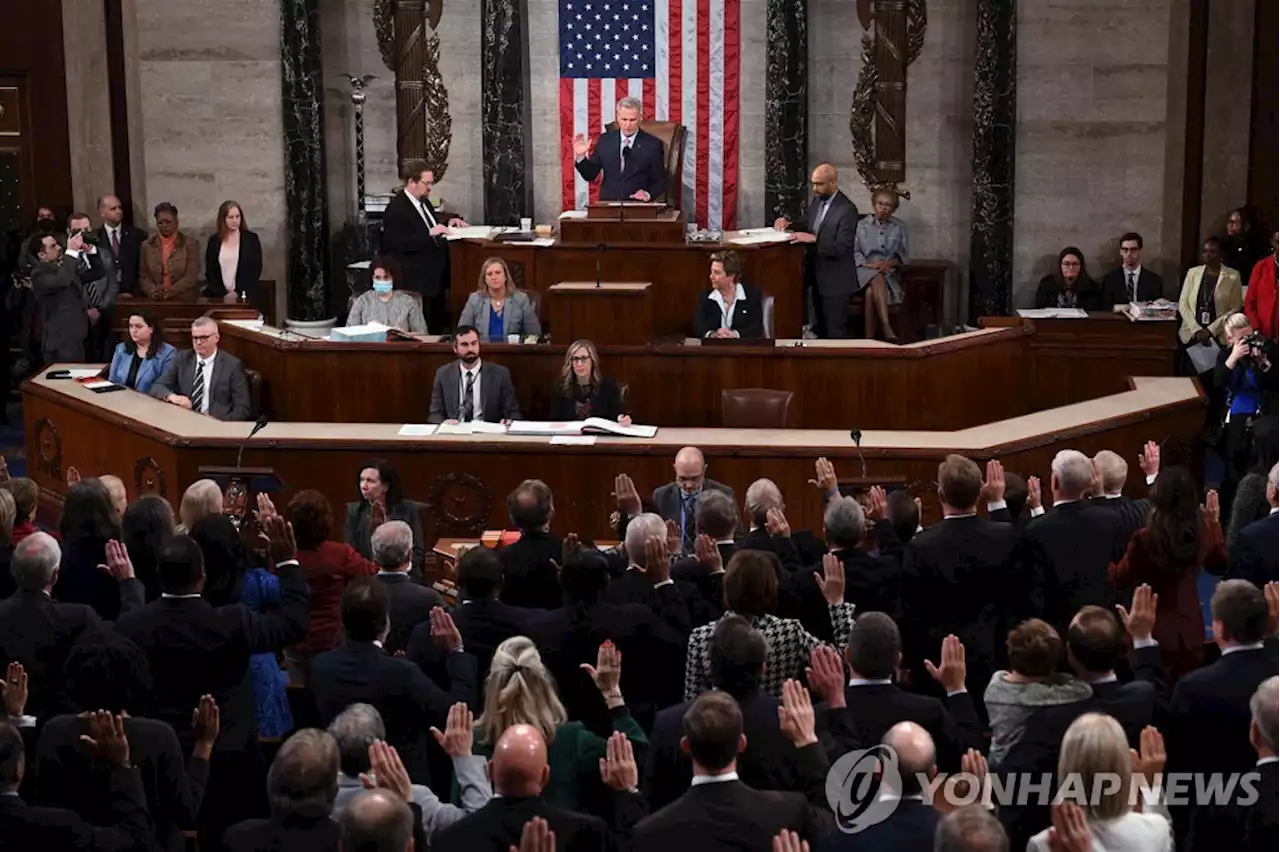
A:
(424, 259)
(1089, 294)
(101, 286)
(872, 583)
(1115, 286)
(496, 827)
(747, 319)
(126, 260)
(358, 528)
(643, 169)
(1209, 713)
(498, 395)
(411, 605)
(248, 269)
(1254, 555)
(25, 827)
(729, 815)
(1066, 553)
(300, 834)
(1248, 828)
(669, 502)
(37, 631)
(912, 826)
(60, 297)
(1130, 514)
(872, 709)
(227, 391)
(484, 625)
(831, 272)
(528, 577)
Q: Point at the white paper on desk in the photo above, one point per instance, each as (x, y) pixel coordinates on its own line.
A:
(542, 242)
(99, 385)
(574, 440)
(1204, 356)
(574, 214)
(1052, 313)
(470, 232)
(367, 328)
(758, 239)
(417, 430)
(83, 372)
(475, 427)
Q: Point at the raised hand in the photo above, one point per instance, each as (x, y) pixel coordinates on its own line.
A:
(106, 738)
(206, 722)
(579, 145)
(1070, 831)
(877, 504)
(1033, 492)
(618, 767)
(826, 675)
(377, 513)
(776, 523)
(674, 542)
(788, 841)
(707, 554)
(831, 580)
(951, 673)
(626, 495)
(825, 476)
(572, 544)
(1149, 759)
(1140, 620)
(266, 509)
(657, 567)
(795, 714)
(73, 477)
(536, 836)
(118, 564)
(1212, 507)
(444, 631)
(458, 735)
(993, 486)
(607, 672)
(1272, 592)
(278, 536)
(14, 689)
(387, 771)
(1149, 458)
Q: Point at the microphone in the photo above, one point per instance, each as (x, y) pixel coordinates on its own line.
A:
(600, 250)
(257, 427)
(856, 434)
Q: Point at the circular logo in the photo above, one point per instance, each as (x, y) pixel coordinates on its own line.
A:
(864, 787)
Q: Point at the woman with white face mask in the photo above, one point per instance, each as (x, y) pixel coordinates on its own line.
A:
(385, 304)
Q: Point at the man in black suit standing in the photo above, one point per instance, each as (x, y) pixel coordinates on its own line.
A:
(59, 295)
(413, 234)
(831, 273)
(1132, 282)
(468, 389)
(630, 159)
(124, 242)
(529, 564)
(204, 379)
(677, 501)
(1255, 554)
(101, 285)
(1113, 470)
(411, 603)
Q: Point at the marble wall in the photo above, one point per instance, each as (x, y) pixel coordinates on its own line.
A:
(88, 109)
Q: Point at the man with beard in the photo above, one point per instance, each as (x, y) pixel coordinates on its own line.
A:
(468, 390)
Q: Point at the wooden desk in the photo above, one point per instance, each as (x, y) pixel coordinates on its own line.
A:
(619, 313)
(464, 480)
(678, 272)
(175, 317)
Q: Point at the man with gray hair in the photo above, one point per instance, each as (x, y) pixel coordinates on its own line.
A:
(1112, 472)
(768, 528)
(970, 829)
(1255, 554)
(360, 726)
(632, 160)
(301, 786)
(411, 603)
(205, 380)
(647, 579)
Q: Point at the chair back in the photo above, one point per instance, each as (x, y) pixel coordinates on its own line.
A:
(755, 408)
(255, 391)
(767, 312)
(672, 136)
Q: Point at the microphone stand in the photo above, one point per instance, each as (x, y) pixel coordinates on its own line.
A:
(856, 435)
(600, 250)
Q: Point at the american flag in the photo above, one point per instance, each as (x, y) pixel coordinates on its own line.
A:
(680, 59)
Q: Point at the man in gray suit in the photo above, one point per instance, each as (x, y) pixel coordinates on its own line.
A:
(469, 389)
(55, 283)
(676, 500)
(205, 380)
(831, 273)
(100, 283)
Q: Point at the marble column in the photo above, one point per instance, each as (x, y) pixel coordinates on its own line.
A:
(786, 109)
(307, 227)
(994, 124)
(504, 111)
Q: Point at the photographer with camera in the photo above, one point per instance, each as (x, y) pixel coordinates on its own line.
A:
(1246, 375)
(97, 272)
(55, 281)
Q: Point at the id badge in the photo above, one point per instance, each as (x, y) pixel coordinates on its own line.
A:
(1204, 318)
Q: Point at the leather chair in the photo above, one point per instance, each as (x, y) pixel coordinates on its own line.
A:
(672, 136)
(755, 408)
(255, 391)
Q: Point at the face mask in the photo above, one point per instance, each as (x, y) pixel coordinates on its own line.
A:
(46, 226)
(382, 287)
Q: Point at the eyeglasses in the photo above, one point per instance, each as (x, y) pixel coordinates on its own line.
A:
(581, 359)
(200, 338)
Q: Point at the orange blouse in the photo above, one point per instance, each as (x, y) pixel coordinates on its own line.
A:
(166, 250)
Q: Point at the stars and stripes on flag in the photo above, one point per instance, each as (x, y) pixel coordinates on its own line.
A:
(680, 59)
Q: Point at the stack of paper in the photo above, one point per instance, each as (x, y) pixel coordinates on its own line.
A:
(470, 232)
(373, 332)
(1052, 313)
(417, 430)
(759, 236)
(574, 214)
(475, 427)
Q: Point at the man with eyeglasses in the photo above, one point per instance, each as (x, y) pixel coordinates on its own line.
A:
(831, 271)
(1132, 282)
(204, 380)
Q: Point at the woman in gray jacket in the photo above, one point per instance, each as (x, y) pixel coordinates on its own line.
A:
(497, 309)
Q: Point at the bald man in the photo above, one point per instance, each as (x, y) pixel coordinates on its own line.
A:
(831, 273)
(677, 500)
(124, 242)
(520, 773)
(377, 820)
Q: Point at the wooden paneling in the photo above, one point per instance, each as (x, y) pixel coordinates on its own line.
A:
(176, 317)
(619, 313)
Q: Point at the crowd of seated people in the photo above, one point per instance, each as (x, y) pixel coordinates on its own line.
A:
(697, 686)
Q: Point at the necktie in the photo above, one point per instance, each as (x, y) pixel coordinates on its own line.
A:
(468, 398)
(197, 387)
(822, 214)
(1133, 287)
(115, 243)
(688, 527)
(90, 287)
(626, 151)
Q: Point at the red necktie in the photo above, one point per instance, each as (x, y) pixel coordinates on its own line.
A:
(115, 243)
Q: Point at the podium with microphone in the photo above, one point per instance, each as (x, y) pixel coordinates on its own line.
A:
(241, 485)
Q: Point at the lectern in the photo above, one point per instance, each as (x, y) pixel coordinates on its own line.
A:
(624, 223)
(241, 487)
(608, 314)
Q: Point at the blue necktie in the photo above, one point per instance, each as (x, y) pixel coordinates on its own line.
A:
(688, 528)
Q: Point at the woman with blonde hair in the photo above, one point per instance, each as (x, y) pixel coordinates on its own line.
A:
(1126, 816)
(202, 497)
(583, 391)
(520, 690)
(497, 310)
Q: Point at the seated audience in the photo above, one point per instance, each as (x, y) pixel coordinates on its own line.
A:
(1256, 554)
(26, 498)
(1069, 285)
(583, 391)
(468, 389)
(1210, 293)
(529, 564)
(201, 499)
(88, 522)
(1260, 297)
(1033, 681)
(147, 523)
(411, 603)
(880, 250)
(204, 380)
(675, 501)
(1179, 541)
(497, 309)
(7, 514)
(384, 304)
(1131, 281)
(381, 499)
(140, 360)
(170, 263)
(730, 308)
(233, 258)
(301, 786)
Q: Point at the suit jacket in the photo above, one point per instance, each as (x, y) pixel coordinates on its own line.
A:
(497, 393)
(606, 402)
(127, 261)
(484, 625)
(37, 631)
(528, 577)
(358, 530)
(184, 269)
(829, 263)
(518, 316)
(747, 319)
(24, 826)
(406, 237)
(1066, 553)
(644, 168)
(101, 271)
(197, 649)
(1254, 556)
(411, 605)
(872, 583)
(248, 268)
(1209, 712)
(667, 498)
(1090, 295)
(1228, 297)
(1115, 286)
(1131, 514)
(872, 709)
(60, 296)
(496, 827)
(228, 390)
(149, 370)
(1249, 828)
(911, 826)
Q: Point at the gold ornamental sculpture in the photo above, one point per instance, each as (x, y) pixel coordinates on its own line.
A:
(877, 121)
(410, 47)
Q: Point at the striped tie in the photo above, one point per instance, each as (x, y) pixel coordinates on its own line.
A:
(468, 398)
(197, 387)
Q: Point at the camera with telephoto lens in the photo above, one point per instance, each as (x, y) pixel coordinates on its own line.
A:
(89, 237)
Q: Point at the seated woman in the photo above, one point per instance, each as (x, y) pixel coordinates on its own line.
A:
(139, 361)
(1070, 286)
(170, 263)
(497, 309)
(880, 250)
(384, 304)
(730, 309)
(582, 391)
(233, 258)
(381, 500)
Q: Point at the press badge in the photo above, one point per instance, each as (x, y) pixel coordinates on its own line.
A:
(1205, 318)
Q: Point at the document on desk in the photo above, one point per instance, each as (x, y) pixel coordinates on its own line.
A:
(590, 426)
(475, 427)
(83, 372)
(1052, 313)
(760, 236)
(574, 214)
(470, 232)
(417, 430)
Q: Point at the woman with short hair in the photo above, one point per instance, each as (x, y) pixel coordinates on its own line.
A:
(880, 250)
(385, 302)
(497, 309)
(169, 267)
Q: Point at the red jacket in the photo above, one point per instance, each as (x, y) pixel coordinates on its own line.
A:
(329, 568)
(1260, 297)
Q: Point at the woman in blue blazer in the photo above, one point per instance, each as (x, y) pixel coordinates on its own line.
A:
(497, 309)
(139, 361)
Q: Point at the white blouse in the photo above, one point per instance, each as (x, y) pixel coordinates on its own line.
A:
(228, 260)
